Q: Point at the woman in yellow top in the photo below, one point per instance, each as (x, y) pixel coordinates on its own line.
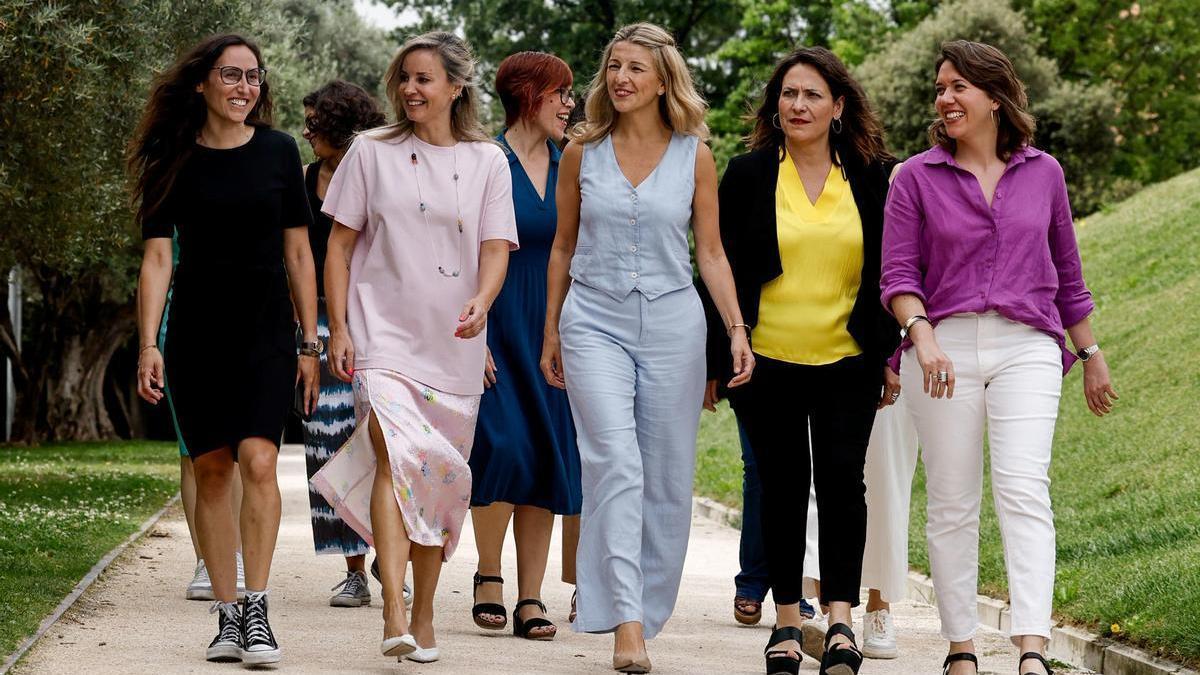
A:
(802, 222)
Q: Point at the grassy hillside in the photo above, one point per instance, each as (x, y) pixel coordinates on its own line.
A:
(1126, 488)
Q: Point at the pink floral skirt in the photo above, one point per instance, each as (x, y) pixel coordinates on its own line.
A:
(429, 435)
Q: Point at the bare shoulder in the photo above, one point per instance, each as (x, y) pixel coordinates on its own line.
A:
(572, 154)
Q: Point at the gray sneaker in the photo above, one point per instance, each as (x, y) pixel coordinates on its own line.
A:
(201, 586)
(354, 591)
(407, 592)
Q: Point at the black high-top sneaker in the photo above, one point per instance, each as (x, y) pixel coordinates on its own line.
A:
(258, 642)
(227, 645)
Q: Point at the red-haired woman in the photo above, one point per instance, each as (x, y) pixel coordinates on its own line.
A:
(207, 165)
(525, 464)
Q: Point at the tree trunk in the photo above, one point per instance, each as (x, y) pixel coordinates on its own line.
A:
(69, 341)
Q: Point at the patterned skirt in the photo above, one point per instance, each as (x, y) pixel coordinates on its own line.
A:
(326, 430)
(429, 434)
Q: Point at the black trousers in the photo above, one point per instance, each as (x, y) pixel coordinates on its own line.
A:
(779, 408)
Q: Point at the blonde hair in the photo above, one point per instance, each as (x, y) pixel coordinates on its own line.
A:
(459, 63)
(681, 107)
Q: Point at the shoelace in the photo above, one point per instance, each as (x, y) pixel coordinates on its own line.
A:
(230, 620)
(258, 631)
(878, 623)
(351, 585)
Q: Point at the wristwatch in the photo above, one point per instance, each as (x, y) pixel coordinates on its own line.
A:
(314, 348)
(1087, 352)
(912, 320)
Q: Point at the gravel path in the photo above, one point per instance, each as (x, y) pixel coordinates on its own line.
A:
(136, 620)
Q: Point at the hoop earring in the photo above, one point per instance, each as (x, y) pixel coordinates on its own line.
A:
(775, 121)
(836, 125)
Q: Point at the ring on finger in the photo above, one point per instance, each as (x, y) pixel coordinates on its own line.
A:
(943, 376)
(895, 395)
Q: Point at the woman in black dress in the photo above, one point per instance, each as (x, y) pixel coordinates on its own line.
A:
(207, 164)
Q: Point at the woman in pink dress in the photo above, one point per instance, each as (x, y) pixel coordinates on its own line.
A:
(423, 225)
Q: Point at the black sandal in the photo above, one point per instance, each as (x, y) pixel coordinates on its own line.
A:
(573, 614)
(1039, 657)
(961, 656)
(521, 628)
(487, 607)
(840, 659)
(782, 661)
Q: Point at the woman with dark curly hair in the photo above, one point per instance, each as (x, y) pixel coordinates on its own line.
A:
(333, 114)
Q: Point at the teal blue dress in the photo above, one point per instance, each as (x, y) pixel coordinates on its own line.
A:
(525, 451)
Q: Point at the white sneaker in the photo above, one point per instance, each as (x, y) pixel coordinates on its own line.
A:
(879, 635)
(201, 586)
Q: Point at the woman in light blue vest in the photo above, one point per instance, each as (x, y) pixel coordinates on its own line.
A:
(627, 341)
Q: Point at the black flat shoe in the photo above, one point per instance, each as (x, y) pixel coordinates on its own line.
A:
(1039, 657)
(492, 608)
(783, 661)
(961, 656)
(840, 658)
(521, 628)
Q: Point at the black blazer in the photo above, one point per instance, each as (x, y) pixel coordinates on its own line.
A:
(748, 232)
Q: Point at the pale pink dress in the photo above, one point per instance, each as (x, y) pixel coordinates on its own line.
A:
(422, 382)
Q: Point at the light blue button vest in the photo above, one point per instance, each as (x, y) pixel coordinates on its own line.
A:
(635, 239)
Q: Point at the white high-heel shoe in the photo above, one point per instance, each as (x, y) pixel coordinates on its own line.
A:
(399, 645)
(423, 655)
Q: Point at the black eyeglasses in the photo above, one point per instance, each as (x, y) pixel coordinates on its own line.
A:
(232, 75)
(565, 95)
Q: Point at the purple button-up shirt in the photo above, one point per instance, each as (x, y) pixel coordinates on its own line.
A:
(944, 244)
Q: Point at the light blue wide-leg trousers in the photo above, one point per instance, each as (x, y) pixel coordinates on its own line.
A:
(635, 373)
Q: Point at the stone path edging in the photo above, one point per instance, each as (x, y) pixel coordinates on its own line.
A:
(82, 586)
(1067, 643)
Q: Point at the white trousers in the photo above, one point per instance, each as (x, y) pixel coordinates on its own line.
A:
(891, 460)
(1008, 379)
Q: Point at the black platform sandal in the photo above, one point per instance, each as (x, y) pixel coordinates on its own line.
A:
(492, 608)
(521, 628)
(782, 661)
(961, 656)
(840, 659)
(1039, 657)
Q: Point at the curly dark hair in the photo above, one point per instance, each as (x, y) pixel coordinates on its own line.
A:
(340, 110)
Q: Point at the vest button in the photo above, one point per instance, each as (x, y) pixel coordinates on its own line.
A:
(634, 275)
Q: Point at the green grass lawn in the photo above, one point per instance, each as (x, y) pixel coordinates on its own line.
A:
(62, 507)
(1126, 488)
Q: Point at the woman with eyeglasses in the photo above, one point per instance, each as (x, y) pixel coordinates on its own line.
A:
(625, 331)
(207, 165)
(333, 114)
(423, 225)
(525, 464)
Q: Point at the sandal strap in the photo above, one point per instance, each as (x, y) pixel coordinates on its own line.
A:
(482, 579)
(1035, 655)
(529, 601)
(961, 656)
(783, 635)
(492, 608)
(840, 629)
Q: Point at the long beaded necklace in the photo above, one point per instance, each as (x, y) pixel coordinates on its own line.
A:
(425, 211)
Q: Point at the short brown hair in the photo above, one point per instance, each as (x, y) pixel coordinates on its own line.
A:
(524, 78)
(988, 68)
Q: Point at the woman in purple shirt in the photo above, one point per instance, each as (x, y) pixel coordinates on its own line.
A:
(981, 269)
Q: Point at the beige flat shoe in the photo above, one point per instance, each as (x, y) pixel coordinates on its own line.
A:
(624, 664)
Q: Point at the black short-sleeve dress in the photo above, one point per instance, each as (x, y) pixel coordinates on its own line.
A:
(231, 367)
